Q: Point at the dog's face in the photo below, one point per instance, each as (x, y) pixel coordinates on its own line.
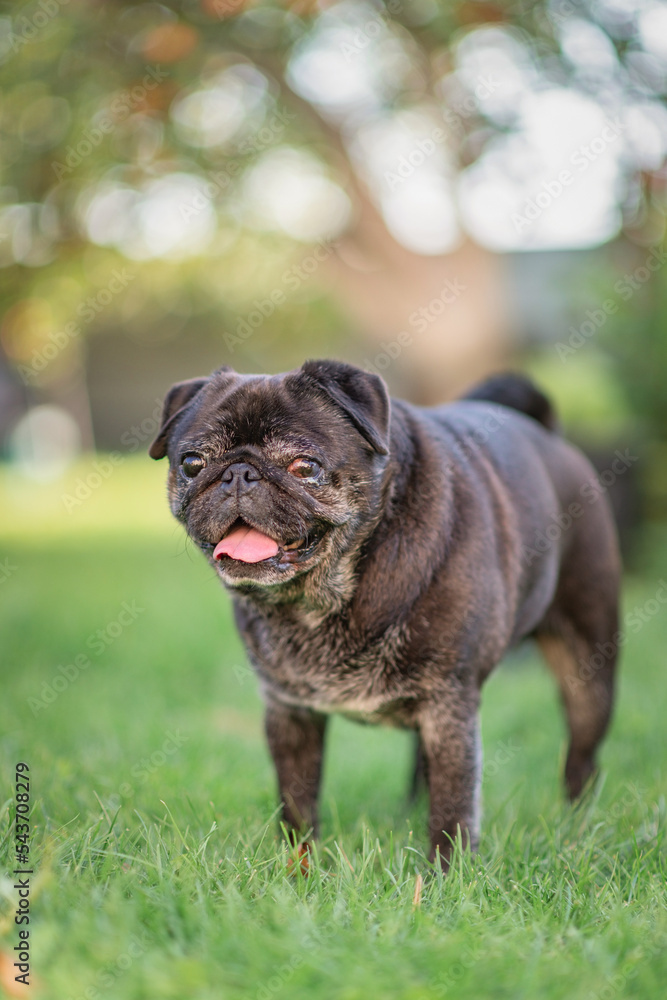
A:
(275, 477)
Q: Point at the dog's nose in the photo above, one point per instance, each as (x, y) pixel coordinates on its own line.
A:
(240, 476)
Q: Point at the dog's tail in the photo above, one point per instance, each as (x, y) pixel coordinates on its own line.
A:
(519, 393)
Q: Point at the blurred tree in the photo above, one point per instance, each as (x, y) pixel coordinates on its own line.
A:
(164, 164)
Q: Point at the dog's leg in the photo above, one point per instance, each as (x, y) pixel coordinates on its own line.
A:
(296, 742)
(451, 742)
(579, 636)
(419, 771)
(585, 673)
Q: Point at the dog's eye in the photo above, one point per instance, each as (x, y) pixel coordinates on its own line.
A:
(305, 468)
(192, 465)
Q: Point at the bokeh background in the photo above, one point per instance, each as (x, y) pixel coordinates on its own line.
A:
(433, 190)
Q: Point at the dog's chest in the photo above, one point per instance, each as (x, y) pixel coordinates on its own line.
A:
(327, 670)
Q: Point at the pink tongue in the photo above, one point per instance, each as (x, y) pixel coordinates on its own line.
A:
(246, 545)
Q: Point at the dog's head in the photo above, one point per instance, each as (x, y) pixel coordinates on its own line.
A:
(275, 477)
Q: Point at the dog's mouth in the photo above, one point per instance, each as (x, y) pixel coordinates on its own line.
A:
(247, 544)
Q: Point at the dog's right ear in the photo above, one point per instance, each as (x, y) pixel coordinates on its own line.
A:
(176, 401)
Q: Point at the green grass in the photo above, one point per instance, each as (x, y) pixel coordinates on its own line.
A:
(161, 874)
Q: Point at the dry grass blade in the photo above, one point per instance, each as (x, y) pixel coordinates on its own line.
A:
(417, 896)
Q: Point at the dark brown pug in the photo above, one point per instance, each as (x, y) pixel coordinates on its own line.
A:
(382, 559)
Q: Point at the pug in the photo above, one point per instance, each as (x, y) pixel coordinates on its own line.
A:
(382, 558)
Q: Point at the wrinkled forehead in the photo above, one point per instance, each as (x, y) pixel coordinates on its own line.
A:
(261, 410)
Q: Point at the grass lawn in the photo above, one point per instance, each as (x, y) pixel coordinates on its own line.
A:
(158, 868)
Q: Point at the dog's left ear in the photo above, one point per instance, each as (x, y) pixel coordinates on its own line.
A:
(176, 401)
(363, 398)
